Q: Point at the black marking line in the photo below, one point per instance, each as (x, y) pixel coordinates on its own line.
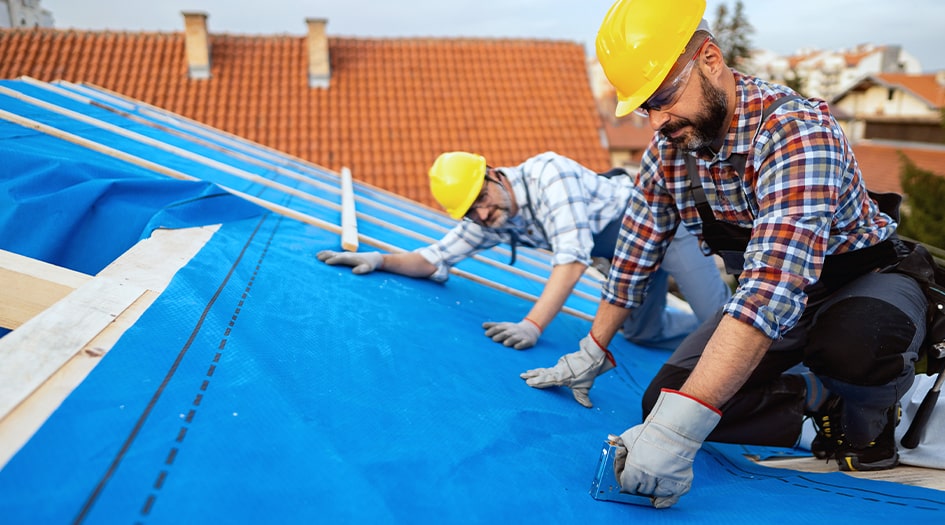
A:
(171, 456)
(97, 491)
(152, 498)
(159, 482)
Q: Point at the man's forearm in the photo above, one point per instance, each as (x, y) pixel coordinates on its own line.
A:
(559, 286)
(411, 264)
(730, 356)
(608, 319)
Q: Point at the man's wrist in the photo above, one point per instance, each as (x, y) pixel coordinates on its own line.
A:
(538, 326)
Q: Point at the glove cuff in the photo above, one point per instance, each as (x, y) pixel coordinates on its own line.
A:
(538, 326)
(603, 349)
(694, 398)
(377, 258)
(685, 414)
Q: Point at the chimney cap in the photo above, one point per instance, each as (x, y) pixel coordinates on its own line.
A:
(317, 20)
(194, 13)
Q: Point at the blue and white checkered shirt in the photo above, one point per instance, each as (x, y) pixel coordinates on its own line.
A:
(571, 203)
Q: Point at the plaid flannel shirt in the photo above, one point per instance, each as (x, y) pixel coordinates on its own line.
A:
(802, 194)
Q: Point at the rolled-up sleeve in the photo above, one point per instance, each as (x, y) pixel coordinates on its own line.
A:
(648, 226)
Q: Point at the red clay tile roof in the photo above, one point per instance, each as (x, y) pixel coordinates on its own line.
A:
(924, 86)
(881, 165)
(393, 104)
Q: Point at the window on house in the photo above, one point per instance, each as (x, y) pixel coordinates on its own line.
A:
(890, 94)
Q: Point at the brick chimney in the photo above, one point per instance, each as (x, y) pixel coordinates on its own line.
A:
(319, 68)
(196, 45)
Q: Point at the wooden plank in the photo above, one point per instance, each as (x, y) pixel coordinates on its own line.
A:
(85, 323)
(29, 286)
(26, 418)
(905, 474)
(349, 220)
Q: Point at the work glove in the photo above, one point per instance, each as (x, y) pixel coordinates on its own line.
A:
(655, 458)
(520, 336)
(363, 262)
(576, 370)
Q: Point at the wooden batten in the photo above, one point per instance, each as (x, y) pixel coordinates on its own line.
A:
(29, 286)
(53, 351)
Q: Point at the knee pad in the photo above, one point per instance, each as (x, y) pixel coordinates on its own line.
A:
(861, 341)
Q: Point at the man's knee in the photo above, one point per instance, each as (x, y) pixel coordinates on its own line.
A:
(863, 341)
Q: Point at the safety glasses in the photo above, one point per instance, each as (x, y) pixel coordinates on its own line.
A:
(482, 201)
(668, 96)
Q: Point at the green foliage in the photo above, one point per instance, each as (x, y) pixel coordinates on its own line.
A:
(733, 34)
(924, 220)
(795, 81)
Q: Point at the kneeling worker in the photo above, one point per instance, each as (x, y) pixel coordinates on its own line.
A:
(550, 202)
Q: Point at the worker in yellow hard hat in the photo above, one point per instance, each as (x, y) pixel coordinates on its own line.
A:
(554, 203)
(767, 180)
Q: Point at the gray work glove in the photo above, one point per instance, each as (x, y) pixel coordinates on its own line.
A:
(655, 458)
(363, 262)
(576, 370)
(521, 335)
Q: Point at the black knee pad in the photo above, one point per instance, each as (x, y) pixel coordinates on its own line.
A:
(860, 340)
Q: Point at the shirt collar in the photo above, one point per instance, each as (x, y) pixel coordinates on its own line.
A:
(745, 120)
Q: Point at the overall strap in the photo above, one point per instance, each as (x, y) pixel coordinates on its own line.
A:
(528, 203)
(737, 161)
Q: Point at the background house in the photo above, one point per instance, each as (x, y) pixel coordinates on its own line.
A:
(894, 106)
(825, 73)
(24, 13)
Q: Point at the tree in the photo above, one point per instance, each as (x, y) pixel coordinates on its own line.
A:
(733, 34)
(794, 80)
(924, 220)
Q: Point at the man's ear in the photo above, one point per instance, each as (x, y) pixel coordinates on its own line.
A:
(712, 59)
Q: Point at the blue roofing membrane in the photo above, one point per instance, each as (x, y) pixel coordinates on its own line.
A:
(265, 386)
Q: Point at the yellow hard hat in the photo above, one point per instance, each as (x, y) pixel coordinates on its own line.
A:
(638, 43)
(456, 179)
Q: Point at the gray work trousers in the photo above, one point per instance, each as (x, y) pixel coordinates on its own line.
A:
(862, 341)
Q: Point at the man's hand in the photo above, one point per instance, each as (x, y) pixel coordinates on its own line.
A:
(365, 262)
(576, 370)
(521, 335)
(655, 458)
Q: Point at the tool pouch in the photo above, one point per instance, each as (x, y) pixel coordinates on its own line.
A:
(916, 262)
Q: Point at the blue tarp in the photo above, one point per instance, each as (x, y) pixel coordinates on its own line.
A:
(266, 387)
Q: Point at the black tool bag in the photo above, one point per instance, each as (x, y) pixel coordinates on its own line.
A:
(916, 262)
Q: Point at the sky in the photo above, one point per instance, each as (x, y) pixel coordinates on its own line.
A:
(782, 27)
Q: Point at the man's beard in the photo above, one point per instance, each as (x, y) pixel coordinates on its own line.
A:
(501, 212)
(706, 126)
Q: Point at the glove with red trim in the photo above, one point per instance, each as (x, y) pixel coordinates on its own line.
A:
(655, 458)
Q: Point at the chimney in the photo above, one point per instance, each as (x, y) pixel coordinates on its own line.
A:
(196, 45)
(890, 61)
(319, 68)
